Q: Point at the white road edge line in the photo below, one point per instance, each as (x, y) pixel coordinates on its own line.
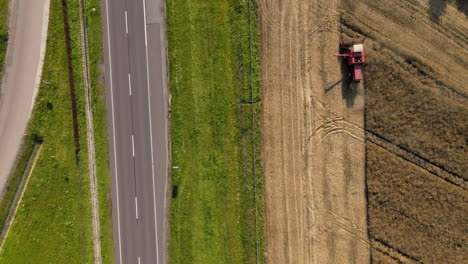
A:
(164, 81)
(129, 84)
(146, 34)
(126, 22)
(151, 132)
(133, 145)
(113, 132)
(139, 260)
(136, 207)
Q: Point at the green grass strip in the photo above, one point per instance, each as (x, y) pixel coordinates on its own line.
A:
(52, 222)
(27, 146)
(217, 201)
(14, 180)
(96, 67)
(3, 32)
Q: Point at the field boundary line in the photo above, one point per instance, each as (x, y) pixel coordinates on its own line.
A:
(416, 159)
(254, 156)
(92, 171)
(20, 193)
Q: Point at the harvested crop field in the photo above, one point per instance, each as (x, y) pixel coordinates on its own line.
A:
(380, 180)
(313, 139)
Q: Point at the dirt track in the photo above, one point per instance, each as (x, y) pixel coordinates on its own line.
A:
(313, 139)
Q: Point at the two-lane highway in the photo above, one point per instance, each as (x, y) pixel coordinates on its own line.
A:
(135, 57)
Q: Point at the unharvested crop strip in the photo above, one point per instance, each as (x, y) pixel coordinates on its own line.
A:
(439, 84)
(460, 37)
(386, 254)
(421, 8)
(393, 250)
(416, 159)
(346, 22)
(347, 25)
(410, 63)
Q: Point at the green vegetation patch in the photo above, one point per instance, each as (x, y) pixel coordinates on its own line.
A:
(96, 68)
(14, 181)
(3, 31)
(53, 224)
(217, 198)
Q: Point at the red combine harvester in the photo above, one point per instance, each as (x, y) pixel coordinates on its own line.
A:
(354, 50)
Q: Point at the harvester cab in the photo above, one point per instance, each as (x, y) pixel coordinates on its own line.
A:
(354, 51)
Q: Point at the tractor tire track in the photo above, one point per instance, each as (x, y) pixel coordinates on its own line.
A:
(338, 125)
(315, 199)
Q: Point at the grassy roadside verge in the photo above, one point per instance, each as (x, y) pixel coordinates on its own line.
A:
(3, 32)
(51, 224)
(27, 146)
(96, 60)
(14, 180)
(216, 211)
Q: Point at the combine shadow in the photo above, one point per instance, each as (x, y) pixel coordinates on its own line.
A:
(462, 6)
(436, 8)
(333, 86)
(348, 88)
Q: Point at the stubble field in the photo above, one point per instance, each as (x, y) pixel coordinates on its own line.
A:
(313, 151)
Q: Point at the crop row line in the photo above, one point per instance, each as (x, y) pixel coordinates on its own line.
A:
(415, 158)
(393, 252)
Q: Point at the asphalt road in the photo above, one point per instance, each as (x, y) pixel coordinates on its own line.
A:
(28, 33)
(135, 58)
